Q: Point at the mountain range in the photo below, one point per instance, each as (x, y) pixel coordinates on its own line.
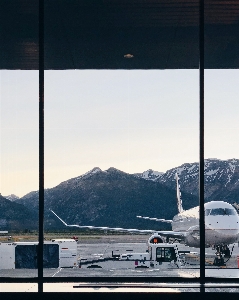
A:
(113, 198)
(221, 179)
(107, 198)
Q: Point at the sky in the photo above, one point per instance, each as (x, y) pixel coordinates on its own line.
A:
(133, 120)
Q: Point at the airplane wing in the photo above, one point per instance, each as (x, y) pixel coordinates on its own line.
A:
(169, 234)
(155, 219)
(104, 228)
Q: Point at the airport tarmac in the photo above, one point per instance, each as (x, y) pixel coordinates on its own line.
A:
(98, 249)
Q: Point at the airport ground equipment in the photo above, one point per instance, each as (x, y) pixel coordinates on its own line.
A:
(158, 255)
(23, 255)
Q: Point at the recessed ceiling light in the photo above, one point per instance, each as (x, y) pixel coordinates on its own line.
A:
(128, 55)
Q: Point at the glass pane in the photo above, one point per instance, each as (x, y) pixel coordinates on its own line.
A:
(221, 135)
(114, 140)
(221, 172)
(18, 287)
(19, 173)
(113, 130)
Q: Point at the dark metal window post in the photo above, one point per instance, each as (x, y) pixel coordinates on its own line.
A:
(41, 145)
(201, 146)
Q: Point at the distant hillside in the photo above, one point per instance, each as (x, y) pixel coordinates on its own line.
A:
(108, 198)
(16, 216)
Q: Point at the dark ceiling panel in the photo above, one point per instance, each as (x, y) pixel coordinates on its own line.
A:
(86, 34)
(19, 34)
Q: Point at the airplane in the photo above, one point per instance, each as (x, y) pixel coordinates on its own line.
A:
(236, 206)
(221, 226)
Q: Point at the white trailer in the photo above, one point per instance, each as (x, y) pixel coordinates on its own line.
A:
(67, 252)
(7, 256)
(23, 255)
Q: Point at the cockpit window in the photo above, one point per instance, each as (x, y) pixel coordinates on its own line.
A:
(220, 212)
(207, 212)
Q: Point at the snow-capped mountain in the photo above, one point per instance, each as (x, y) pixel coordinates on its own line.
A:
(221, 178)
(84, 176)
(149, 175)
(89, 173)
(107, 198)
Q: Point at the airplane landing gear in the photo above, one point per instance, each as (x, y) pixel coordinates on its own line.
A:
(220, 251)
(226, 252)
(218, 261)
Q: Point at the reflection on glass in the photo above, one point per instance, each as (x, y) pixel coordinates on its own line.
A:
(19, 173)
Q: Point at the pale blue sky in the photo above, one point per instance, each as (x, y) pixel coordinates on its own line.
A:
(131, 120)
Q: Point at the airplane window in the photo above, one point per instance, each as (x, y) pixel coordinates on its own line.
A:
(230, 211)
(217, 212)
(207, 212)
(221, 212)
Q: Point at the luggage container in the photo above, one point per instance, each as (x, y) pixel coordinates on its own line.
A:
(23, 255)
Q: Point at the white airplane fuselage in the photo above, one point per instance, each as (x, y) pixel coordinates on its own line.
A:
(221, 224)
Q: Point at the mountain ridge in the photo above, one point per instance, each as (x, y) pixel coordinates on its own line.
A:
(221, 179)
(110, 198)
(113, 198)
(15, 216)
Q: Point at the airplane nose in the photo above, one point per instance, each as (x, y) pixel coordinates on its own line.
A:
(221, 228)
(222, 224)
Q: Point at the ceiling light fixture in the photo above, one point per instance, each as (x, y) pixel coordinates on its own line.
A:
(128, 56)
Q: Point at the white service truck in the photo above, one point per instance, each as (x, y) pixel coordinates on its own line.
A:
(158, 255)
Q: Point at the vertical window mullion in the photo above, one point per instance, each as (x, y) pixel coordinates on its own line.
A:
(201, 147)
(41, 145)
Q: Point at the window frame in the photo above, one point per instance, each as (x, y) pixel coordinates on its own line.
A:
(202, 281)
